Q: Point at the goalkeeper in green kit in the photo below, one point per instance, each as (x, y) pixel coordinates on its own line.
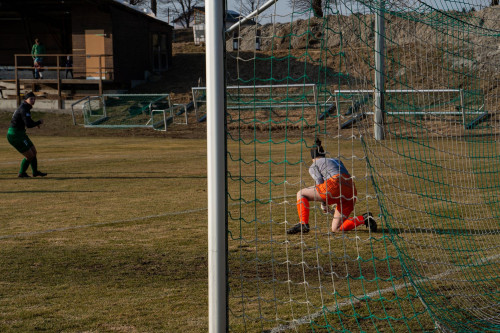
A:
(17, 137)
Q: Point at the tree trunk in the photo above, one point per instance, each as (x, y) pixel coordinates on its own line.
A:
(318, 12)
(154, 6)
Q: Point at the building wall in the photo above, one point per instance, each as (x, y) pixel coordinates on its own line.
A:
(156, 27)
(127, 36)
(13, 40)
(133, 44)
(19, 28)
(91, 18)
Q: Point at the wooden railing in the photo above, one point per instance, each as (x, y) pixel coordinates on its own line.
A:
(85, 69)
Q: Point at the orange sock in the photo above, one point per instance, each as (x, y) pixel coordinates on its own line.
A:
(352, 223)
(303, 210)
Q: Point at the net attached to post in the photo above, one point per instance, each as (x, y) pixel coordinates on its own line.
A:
(432, 183)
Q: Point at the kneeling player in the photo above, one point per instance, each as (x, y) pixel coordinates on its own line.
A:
(334, 185)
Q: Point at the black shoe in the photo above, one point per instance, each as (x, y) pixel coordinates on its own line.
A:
(298, 228)
(23, 175)
(39, 174)
(370, 222)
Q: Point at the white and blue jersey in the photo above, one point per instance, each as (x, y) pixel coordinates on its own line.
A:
(325, 168)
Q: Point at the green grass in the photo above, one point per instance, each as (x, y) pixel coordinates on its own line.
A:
(115, 240)
(107, 241)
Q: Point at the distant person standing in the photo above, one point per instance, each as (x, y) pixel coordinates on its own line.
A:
(69, 66)
(16, 135)
(37, 51)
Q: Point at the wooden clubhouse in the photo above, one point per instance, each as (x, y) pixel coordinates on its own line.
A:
(109, 42)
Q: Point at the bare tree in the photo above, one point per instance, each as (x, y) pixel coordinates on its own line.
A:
(248, 6)
(303, 5)
(138, 2)
(182, 9)
(151, 4)
(154, 6)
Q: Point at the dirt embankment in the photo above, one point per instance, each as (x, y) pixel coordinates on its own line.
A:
(187, 71)
(477, 30)
(299, 54)
(422, 54)
(425, 57)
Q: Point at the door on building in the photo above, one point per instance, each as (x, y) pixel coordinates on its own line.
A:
(94, 46)
(160, 52)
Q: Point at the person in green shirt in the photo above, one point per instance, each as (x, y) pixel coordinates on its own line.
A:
(36, 53)
(16, 135)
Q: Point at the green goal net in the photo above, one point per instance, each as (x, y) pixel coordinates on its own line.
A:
(304, 70)
(130, 110)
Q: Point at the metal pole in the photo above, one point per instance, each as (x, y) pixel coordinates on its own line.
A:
(316, 98)
(59, 98)
(164, 120)
(252, 14)
(462, 108)
(379, 105)
(337, 102)
(18, 90)
(216, 167)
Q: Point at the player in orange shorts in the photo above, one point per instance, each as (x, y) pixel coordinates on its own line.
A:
(334, 185)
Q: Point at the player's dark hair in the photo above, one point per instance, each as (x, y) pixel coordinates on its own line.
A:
(28, 95)
(317, 150)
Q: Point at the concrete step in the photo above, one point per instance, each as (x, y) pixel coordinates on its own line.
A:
(49, 101)
(8, 84)
(41, 105)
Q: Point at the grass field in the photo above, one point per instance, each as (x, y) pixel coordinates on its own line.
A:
(113, 240)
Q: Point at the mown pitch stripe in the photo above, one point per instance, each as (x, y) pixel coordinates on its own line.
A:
(135, 219)
(41, 232)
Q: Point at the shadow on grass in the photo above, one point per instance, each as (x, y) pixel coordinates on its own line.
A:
(47, 191)
(441, 231)
(106, 177)
(125, 177)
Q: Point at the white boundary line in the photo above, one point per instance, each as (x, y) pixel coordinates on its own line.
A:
(307, 319)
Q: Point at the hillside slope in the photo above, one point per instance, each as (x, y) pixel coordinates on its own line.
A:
(299, 54)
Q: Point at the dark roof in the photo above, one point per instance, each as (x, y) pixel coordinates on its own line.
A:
(131, 9)
(232, 16)
(66, 5)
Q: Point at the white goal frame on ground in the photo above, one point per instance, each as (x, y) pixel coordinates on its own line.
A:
(170, 114)
(461, 111)
(260, 104)
(336, 94)
(334, 99)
